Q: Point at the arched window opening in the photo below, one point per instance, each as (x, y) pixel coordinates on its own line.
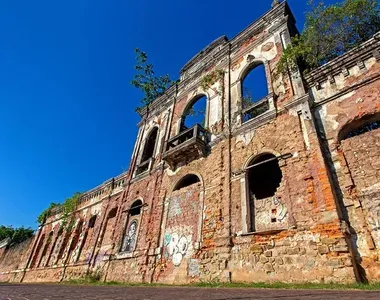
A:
(112, 213)
(150, 145)
(60, 231)
(148, 153)
(136, 208)
(264, 177)
(107, 235)
(46, 247)
(254, 92)
(187, 181)
(75, 240)
(91, 223)
(63, 246)
(130, 237)
(360, 127)
(40, 244)
(195, 113)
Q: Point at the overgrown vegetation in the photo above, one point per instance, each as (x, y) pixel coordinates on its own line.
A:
(257, 285)
(47, 212)
(210, 79)
(17, 235)
(146, 80)
(331, 31)
(66, 208)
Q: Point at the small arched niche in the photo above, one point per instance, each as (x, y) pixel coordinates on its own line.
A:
(254, 91)
(186, 181)
(112, 213)
(195, 113)
(133, 224)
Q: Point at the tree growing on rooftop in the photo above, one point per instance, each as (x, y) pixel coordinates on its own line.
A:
(331, 31)
(146, 80)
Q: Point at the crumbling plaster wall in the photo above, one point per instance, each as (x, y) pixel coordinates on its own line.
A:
(208, 222)
(343, 99)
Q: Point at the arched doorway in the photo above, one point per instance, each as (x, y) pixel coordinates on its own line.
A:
(183, 224)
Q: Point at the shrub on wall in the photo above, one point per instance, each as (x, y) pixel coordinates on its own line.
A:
(331, 31)
(17, 235)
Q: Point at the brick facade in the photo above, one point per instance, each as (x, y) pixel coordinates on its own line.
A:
(291, 194)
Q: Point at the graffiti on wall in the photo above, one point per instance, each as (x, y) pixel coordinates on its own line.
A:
(270, 213)
(370, 198)
(178, 244)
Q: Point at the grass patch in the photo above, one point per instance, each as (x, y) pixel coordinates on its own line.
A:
(258, 285)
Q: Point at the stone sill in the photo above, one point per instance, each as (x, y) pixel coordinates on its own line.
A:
(256, 122)
(123, 255)
(264, 232)
(140, 176)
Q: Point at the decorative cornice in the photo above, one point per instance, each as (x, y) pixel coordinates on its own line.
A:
(211, 55)
(280, 10)
(204, 53)
(341, 64)
(256, 122)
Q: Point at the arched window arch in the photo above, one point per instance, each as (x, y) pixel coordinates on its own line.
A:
(58, 236)
(112, 213)
(148, 152)
(264, 177)
(360, 126)
(195, 113)
(133, 224)
(187, 180)
(254, 91)
(89, 230)
(74, 242)
(150, 144)
(37, 252)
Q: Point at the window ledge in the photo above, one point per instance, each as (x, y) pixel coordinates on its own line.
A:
(263, 232)
(254, 123)
(140, 176)
(124, 255)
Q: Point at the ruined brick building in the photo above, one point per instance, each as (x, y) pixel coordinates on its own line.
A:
(286, 188)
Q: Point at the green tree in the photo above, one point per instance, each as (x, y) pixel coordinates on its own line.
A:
(17, 235)
(151, 85)
(331, 31)
(67, 210)
(46, 213)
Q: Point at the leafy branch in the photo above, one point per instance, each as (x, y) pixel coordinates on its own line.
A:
(210, 79)
(67, 209)
(16, 235)
(331, 31)
(151, 85)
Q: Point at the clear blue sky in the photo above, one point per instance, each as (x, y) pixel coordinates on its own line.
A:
(67, 120)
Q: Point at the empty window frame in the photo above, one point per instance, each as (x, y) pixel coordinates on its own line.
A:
(254, 92)
(148, 152)
(264, 177)
(195, 113)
